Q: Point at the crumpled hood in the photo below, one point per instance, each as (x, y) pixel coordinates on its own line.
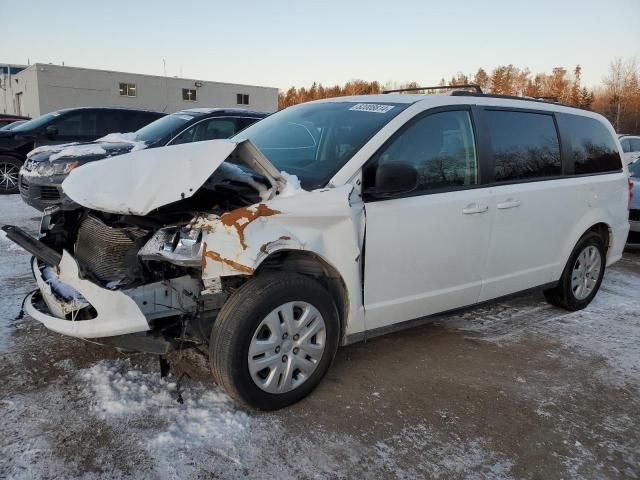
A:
(139, 182)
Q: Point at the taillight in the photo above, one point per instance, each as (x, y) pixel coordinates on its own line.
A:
(630, 194)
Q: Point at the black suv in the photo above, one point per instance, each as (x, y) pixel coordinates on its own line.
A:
(62, 126)
(46, 168)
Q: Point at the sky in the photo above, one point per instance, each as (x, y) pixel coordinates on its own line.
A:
(282, 43)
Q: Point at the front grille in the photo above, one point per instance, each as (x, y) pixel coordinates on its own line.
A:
(109, 253)
(49, 193)
(24, 184)
(634, 215)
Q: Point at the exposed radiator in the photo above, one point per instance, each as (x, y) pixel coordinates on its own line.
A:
(109, 253)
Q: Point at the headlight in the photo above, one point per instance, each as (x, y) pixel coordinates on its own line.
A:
(47, 169)
(180, 246)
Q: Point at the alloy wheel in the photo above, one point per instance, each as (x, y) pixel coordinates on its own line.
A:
(586, 271)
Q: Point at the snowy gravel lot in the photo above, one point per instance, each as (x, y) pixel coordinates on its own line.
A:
(515, 390)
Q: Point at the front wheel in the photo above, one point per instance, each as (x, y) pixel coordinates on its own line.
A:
(9, 171)
(274, 340)
(582, 275)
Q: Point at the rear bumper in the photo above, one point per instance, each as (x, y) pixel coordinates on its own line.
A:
(114, 313)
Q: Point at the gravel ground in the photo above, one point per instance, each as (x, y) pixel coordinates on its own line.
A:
(515, 390)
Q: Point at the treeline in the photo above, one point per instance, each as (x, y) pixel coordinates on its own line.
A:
(618, 97)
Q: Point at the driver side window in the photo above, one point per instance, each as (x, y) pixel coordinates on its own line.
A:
(440, 147)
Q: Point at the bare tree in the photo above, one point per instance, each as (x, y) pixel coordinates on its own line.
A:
(621, 75)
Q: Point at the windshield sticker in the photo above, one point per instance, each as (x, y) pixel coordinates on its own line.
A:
(371, 107)
(55, 114)
(186, 117)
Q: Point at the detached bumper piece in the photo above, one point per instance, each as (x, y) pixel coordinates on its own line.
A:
(73, 306)
(31, 245)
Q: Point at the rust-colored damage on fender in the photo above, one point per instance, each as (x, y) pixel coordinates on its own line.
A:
(267, 246)
(215, 256)
(240, 218)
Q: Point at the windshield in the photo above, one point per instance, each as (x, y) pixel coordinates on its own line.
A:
(36, 122)
(165, 126)
(313, 141)
(634, 169)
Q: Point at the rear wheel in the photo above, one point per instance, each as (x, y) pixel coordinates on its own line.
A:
(274, 340)
(9, 170)
(582, 275)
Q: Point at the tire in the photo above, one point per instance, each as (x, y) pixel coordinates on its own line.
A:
(564, 294)
(9, 169)
(247, 320)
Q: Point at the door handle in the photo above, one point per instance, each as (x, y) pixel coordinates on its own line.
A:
(475, 208)
(509, 203)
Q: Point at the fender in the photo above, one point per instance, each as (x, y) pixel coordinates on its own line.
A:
(323, 222)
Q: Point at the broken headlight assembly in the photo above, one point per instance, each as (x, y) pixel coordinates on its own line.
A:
(178, 245)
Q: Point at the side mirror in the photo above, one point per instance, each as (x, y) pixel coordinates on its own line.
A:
(393, 178)
(51, 131)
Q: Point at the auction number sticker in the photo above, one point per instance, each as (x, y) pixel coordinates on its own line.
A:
(371, 107)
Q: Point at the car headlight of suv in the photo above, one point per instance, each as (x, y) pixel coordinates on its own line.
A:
(47, 169)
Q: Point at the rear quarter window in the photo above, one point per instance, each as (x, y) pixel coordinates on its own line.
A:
(592, 149)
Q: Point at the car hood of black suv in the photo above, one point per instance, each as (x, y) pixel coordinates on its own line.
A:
(84, 152)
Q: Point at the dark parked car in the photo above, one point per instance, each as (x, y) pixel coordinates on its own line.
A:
(7, 119)
(62, 126)
(46, 168)
(12, 125)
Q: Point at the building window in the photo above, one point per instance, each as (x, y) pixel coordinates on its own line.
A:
(189, 95)
(242, 99)
(127, 89)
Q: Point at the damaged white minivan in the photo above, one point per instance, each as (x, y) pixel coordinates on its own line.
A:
(328, 223)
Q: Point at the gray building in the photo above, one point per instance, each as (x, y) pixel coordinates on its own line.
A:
(42, 88)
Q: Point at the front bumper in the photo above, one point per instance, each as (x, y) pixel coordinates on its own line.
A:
(114, 312)
(41, 192)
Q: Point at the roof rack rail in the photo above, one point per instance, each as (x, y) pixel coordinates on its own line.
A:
(546, 99)
(439, 87)
(461, 93)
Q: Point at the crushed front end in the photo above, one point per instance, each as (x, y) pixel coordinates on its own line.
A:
(129, 279)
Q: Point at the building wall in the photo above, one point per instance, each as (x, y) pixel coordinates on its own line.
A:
(61, 87)
(21, 87)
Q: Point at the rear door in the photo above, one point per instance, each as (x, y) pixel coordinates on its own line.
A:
(425, 250)
(533, 208)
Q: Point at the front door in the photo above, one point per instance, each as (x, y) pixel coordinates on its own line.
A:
(425, 250)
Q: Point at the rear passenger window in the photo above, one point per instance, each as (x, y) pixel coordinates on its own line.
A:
(524, 145)
(635, 144)
(593, 148)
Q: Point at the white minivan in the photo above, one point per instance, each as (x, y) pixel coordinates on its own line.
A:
(328, 223)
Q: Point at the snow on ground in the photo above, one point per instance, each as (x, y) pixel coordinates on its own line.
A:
(516, 390)
(609, 327)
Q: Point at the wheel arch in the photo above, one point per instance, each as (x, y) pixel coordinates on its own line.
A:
(312, 264)
(11, 153)
(593, 222)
